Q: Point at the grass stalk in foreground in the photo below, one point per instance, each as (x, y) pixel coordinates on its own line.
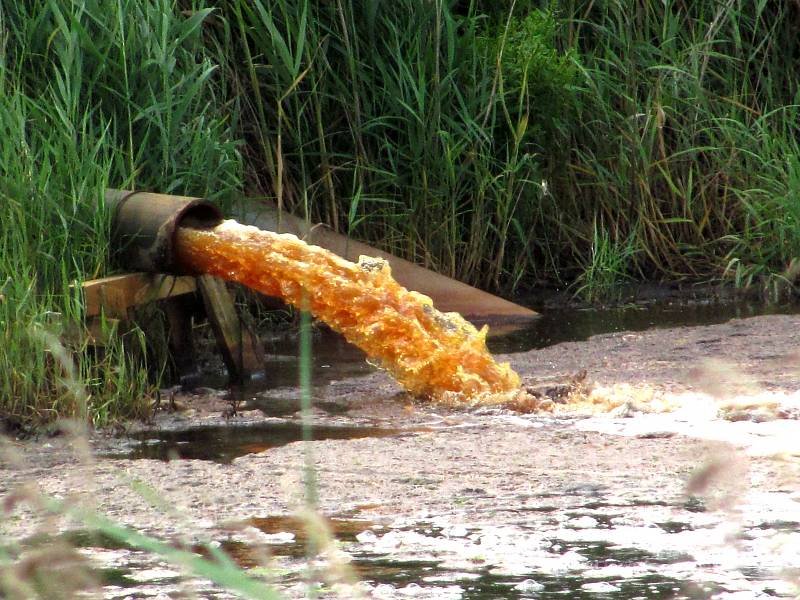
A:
(305, 369)
(220, 569)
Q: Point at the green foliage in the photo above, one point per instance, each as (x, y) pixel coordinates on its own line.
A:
(684, 135)
(497, 11)
(92, 95)
(396, 121)
(608, 267)
(536, 79)
(482, 139)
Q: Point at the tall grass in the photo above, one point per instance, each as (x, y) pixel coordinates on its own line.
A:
(503, 143)
(686, 134)
(92, 94)
(408, 124)
(486, 140)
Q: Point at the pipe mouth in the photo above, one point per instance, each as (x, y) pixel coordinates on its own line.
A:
(144, 227)
(200, 215)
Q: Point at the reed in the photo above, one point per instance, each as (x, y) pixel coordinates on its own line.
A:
(485, 140)
(500, 143)
(92, 95)
(403, 124)
(685, 134)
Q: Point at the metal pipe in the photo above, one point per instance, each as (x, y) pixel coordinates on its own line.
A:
(143, 238)
(447, 294)
(143, 227)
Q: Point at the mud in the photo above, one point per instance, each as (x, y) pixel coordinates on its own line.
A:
(701, 501)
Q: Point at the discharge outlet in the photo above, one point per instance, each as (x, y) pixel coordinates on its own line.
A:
(144, 225)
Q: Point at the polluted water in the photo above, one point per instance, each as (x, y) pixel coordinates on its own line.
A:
(434, 355)
(508, 532)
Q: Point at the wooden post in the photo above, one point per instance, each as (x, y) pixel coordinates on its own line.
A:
(177, 310)
(116, 296)
(238, 345)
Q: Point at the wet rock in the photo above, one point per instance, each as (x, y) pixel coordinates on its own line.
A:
(412, 590)
(556, 389)
(656, 435)
(571, 561)
(456, 531)
(585, 489)
(366, 537)
(626, 410)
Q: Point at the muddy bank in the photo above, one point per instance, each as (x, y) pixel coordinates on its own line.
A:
(485, 502)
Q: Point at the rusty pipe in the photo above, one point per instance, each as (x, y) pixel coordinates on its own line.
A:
(143, 227)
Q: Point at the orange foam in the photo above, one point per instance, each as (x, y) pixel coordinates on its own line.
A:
(432, 354)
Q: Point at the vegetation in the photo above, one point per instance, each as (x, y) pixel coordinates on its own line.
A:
(408, 124)
(686, 137)
(492, 141)
(53, 568)
(92, 95)
(508, 144)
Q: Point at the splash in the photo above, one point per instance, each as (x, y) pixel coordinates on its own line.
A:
(432, 354)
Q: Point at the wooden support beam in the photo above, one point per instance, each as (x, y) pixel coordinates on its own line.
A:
(98, 330)
(238, 345)
(178, 312)
(114, 295)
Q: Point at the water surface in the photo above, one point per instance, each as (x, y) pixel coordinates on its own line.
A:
(573, 325)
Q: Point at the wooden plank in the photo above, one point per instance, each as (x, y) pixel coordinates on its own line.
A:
(179, 335)
(238, 345)
(98, 330)
(114, 295)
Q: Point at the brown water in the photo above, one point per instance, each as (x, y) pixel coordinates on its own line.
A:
(432, 354)
(224, 443)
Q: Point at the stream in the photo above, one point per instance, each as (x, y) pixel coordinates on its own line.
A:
(429, 502)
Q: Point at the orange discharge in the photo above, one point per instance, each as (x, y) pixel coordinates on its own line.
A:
(433, 354)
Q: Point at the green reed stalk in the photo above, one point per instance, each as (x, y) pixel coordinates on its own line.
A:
(93, 95)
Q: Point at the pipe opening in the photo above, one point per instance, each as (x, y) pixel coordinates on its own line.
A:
(199, 216)
(144, 226)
